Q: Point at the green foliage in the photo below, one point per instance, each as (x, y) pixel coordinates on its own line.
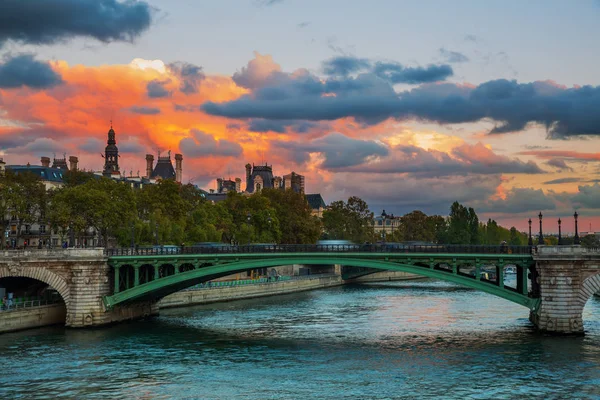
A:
(351, 220)
(296, 223)
(24, 197)
(590, 241)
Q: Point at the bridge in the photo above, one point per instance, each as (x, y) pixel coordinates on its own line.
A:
(154, 273)
(103, 286)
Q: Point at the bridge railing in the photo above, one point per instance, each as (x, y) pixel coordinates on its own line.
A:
(326, 248)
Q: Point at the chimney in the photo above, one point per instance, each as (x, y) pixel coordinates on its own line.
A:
(248, 175)
(178, 167)
(73, 161)
(149, 165)
(45, 161)
(238, 185)
(219, 185)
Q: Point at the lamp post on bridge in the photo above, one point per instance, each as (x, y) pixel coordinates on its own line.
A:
(559, 233)
(132, 235)
(248, 221)
(156, 233)
(576, 239)
(541, 236)
(530, 242)
(383, 221)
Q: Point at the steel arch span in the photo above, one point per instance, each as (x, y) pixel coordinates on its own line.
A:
(166, 274)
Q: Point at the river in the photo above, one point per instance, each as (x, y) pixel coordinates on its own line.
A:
(412, 339)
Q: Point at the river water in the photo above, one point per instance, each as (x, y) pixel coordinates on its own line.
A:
(412, 339)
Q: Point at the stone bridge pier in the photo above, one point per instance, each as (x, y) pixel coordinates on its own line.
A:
(81, 277)
(567, 277)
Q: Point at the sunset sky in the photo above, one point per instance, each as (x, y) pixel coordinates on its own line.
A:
(407, 104)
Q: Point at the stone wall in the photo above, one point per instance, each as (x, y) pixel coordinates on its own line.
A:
(211, 295)
(568, 277)
(34, 317)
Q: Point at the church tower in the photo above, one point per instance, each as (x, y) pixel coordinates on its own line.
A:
(111, 155)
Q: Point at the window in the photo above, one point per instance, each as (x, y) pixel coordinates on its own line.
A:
(42, 228)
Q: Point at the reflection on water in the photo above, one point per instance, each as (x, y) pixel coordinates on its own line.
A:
(394, 340)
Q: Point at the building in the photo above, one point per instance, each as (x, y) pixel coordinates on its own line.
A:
(228, 185)
(316, 203)
(294, 181)
(111, 155)
(385, 224)
(259, 177)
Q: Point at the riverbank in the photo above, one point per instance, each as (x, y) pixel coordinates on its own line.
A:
(215, 294)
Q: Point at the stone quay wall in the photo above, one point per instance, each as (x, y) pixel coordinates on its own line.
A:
(35, 317)
(228, 293)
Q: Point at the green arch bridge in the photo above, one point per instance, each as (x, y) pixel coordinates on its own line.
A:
(150, 274)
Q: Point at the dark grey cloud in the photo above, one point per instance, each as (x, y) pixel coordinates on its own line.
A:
(156, 89)
(562, 180)
(393, 72)
(131, 146)
(559, 164)
(143, 110)
(402, 194)
(462, 160)
(92, 145)
(397, 73)
(51, 21)
(345, 65)
(565, 112)
(41, 146)
(190, 75)
(453, 56)
(520, 200)
(338, 150)
(587, 197)
(266, 125)
(202, 144)
(24, 70)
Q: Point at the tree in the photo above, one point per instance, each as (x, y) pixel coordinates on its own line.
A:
(296, 222)
(459, 227)
(351, 220)
(590, 241)
(25, 198)
(416, 226)
(473, 222)
(515, 239)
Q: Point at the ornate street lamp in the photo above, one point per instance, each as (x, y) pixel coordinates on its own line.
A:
(541, 237)
(576, 239)
(156, 232)
(559, 233)
(132, 235)
(248, 220)
(383, 219)
(530, 242)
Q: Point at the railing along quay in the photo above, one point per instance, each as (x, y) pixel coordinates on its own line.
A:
(19, 305)
(329, 248)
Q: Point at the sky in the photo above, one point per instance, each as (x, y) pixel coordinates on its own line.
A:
(406, 104)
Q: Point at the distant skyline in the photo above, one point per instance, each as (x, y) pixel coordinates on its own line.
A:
(409, 105)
